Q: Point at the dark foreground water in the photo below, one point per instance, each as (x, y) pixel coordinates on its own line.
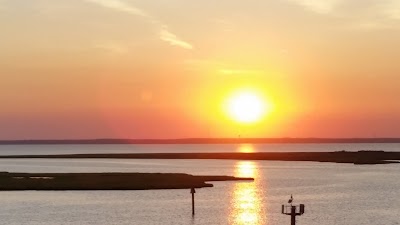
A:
(333, 194)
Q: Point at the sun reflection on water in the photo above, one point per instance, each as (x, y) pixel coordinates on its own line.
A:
(246, 203)
(246, 148)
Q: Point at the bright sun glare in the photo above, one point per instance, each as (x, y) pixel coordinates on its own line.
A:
(246, 107)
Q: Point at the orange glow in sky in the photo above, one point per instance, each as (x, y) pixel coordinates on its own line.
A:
(162, 69)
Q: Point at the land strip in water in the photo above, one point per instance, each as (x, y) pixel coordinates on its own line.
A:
(107, 181)
(360, 157)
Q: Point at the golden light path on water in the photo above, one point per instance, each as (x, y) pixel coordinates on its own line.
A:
(246, 203)
(246, 148)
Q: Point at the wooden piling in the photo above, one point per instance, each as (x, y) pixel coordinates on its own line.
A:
(293, 215)
(293, 211)
(192, 191)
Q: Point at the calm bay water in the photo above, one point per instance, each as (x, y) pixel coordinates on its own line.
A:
(126, 148)
(333, 193)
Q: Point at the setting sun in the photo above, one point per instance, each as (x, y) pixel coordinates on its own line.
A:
(247, 107)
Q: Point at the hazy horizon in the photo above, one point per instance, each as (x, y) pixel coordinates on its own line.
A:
(170, 69)
(202, 140)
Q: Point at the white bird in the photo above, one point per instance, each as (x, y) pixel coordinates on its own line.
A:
(291, 199)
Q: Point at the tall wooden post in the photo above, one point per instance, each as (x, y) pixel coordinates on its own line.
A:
(293, 211)
(293, 215)
(192, 191)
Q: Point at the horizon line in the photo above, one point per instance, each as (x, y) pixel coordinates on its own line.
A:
(237, 140)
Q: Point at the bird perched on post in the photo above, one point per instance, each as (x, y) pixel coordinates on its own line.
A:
(291, 199)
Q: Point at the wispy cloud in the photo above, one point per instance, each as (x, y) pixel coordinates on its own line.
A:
(172, 39)
(392, 9)
(221, 68)
(358, 14)
(384, 8)
(110, 47)
(319, 6)
(239, 71)
(121, 6)
(224, 24)
(163, 32)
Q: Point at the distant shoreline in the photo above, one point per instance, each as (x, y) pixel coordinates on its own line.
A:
(203, 141)
(358, 158)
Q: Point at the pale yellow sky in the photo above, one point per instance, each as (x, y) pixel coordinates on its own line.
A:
(163, 68)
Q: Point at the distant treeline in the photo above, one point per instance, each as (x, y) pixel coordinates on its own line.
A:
(203, 141)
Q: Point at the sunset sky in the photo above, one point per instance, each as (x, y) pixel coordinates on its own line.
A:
(167, 68)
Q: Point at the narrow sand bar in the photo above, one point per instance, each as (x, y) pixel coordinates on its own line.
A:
(107, 181)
